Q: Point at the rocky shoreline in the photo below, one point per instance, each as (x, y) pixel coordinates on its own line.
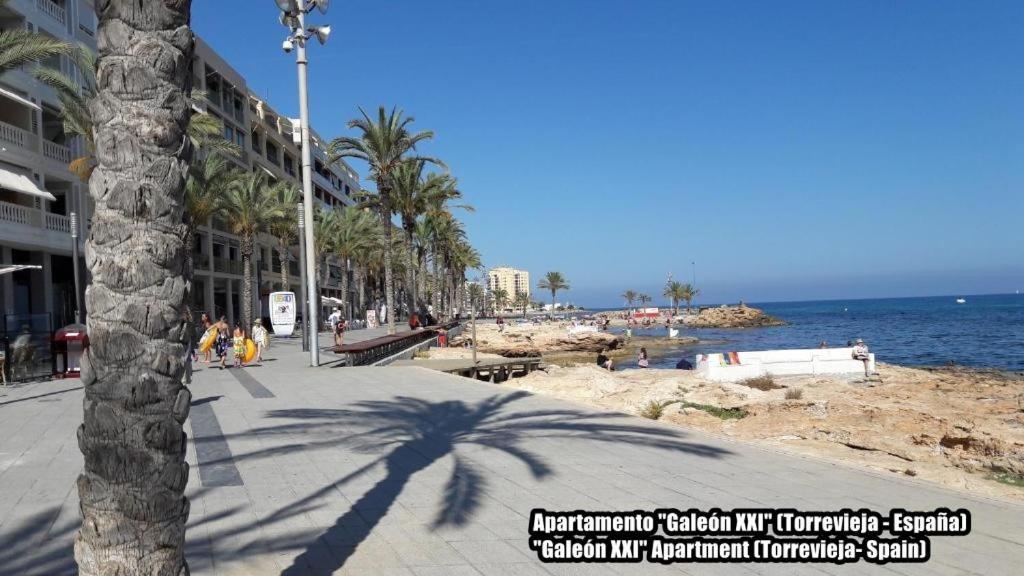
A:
(960, 428)
(741, 316)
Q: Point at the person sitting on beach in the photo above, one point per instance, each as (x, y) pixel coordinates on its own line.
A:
(861, 352)
(605, 362)
(642, 360)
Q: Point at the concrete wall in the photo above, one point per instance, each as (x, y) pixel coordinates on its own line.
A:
(781, 363)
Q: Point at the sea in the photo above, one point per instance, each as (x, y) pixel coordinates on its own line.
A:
(985, 331)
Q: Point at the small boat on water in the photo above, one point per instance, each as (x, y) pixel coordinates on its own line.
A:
(961, 301)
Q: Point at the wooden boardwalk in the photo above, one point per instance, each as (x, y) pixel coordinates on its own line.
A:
(492, 369)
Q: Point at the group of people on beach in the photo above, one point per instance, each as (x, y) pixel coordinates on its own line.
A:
(230, 341)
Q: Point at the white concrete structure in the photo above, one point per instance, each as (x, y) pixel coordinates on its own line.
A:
(721, 368)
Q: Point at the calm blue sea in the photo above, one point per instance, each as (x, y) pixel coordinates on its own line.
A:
(986, 331)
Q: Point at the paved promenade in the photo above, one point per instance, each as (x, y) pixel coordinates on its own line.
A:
(403, 471)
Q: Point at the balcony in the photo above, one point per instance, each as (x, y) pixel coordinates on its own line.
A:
(57, 222)
(27, 225)
(57, 152)
(227, 266)
(53, 10)
(17, 136)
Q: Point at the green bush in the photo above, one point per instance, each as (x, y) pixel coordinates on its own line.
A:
(765, 382)
(718, 411)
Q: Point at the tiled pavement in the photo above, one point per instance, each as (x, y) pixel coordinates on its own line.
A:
(401, 471)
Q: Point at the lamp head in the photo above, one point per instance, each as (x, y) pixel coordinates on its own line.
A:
(288, 6)
(288, 20)
(321, 33)
(320, 5)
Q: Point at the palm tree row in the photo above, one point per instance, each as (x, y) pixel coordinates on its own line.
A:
(423, 201)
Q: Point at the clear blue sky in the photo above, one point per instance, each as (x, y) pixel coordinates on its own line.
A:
(793, 150)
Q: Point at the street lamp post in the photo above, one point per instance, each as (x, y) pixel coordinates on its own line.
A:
(293, 15)
(302, 272)
(74, 262)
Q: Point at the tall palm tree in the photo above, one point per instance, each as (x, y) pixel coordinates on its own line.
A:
(553, 282)
(500, 296)
(208, 181)
(643, 299)
(629, 296)
(675, 293)
(522, 301)
(19, 47)
(355, 232)
(251, 206)
(417, 194)
(689, 293)
(383, 144)
(132, 489)
(286, 230)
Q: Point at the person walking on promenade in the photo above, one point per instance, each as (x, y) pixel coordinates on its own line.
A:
(206, 324)
(339, 332)
(238, 345)
(262, 339)
(223, 341)
(501, 324)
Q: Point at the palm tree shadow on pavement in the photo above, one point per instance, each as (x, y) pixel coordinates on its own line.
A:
(419, 433)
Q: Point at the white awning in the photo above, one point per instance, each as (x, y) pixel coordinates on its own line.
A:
(20, 181)
(19, 99)
(12, 268)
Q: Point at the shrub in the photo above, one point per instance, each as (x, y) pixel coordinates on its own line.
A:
(653, 410)
(794, 394)
(765, 382)
(718, 411)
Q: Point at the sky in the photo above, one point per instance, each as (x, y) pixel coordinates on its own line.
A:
(771, 151)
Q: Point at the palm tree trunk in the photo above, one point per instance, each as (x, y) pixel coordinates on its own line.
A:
(436, 296)
(283, 255)
(131, 490)
(247, 250)
(410, 274)
(422, 288)
(361, 283)
(389, 279)
(344, 288)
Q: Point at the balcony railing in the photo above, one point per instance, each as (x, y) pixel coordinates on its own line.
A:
(16, 213)
(57, 222)
(16, 136)
(226, 265)
(57, 152)
(54, 10)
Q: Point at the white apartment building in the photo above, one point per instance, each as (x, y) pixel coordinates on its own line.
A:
(38, 192)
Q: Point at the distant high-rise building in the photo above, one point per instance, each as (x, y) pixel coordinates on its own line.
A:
(512, 281)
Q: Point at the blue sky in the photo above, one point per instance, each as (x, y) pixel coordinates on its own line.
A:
(793, 150)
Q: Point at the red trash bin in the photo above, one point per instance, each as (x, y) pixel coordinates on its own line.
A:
(68, 345)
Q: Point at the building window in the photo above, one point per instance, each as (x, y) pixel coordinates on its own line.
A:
(272, 153)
